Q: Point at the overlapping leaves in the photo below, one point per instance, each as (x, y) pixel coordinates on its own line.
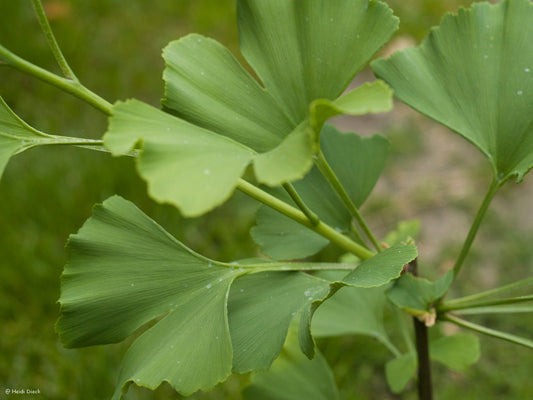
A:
(305, 55)
(457, 352)
(474, 74)
(357, 162)
(206, 318)
(294, 376)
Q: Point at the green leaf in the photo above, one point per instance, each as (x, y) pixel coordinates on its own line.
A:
(294, 377)
(357, 162)
(16, 135)
(284, 239)
(124, 271)
(373, 272)
(373, 97)
(473, 74)
(351, 311)
(290, 161)
(184, 165)
(206, 86)
(457, 352)
(400, 371)
(382, 268)
(417, 295)
(405, 231)
(261, 307)
(303, 51)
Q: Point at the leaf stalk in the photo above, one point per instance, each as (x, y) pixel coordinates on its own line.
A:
(498, 302)
(329, 174)
(488, 331)
(494, 186)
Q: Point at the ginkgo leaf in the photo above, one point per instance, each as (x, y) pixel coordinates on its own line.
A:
(399, 371)
(474, 75)
(416, 295)
(371, 273)
(184, 165)
(261, 308)
(372, 97)
(308, 50)
(405, 231)
(124, 271)
(262, 305)
(206, 86)
(351, 311)
(294, 377)
(357, 162)
(457, 352)
(16, 135)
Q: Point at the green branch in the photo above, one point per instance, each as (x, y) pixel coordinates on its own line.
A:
(68, 85)
(298, 216)
(329, 174)
(52, 42)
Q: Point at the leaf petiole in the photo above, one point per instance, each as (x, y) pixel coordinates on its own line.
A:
(491, 292)
(494, 186)
(488, 331)
(498, 302)
(329, 174)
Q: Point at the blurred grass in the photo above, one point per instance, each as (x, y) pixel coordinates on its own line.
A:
(46, 194)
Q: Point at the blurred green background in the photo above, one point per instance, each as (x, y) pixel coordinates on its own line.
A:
(45, 194)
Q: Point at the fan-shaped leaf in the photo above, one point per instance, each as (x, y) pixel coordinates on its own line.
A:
(417, 295)
(124, 270)
(373, 97)
(293, 377)
(351, 311)
(304, 51)
(185, 165)
(474, 74)
(457, 352)
(206, 86)
(400, 371)
(373, 272)
(261, 308)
